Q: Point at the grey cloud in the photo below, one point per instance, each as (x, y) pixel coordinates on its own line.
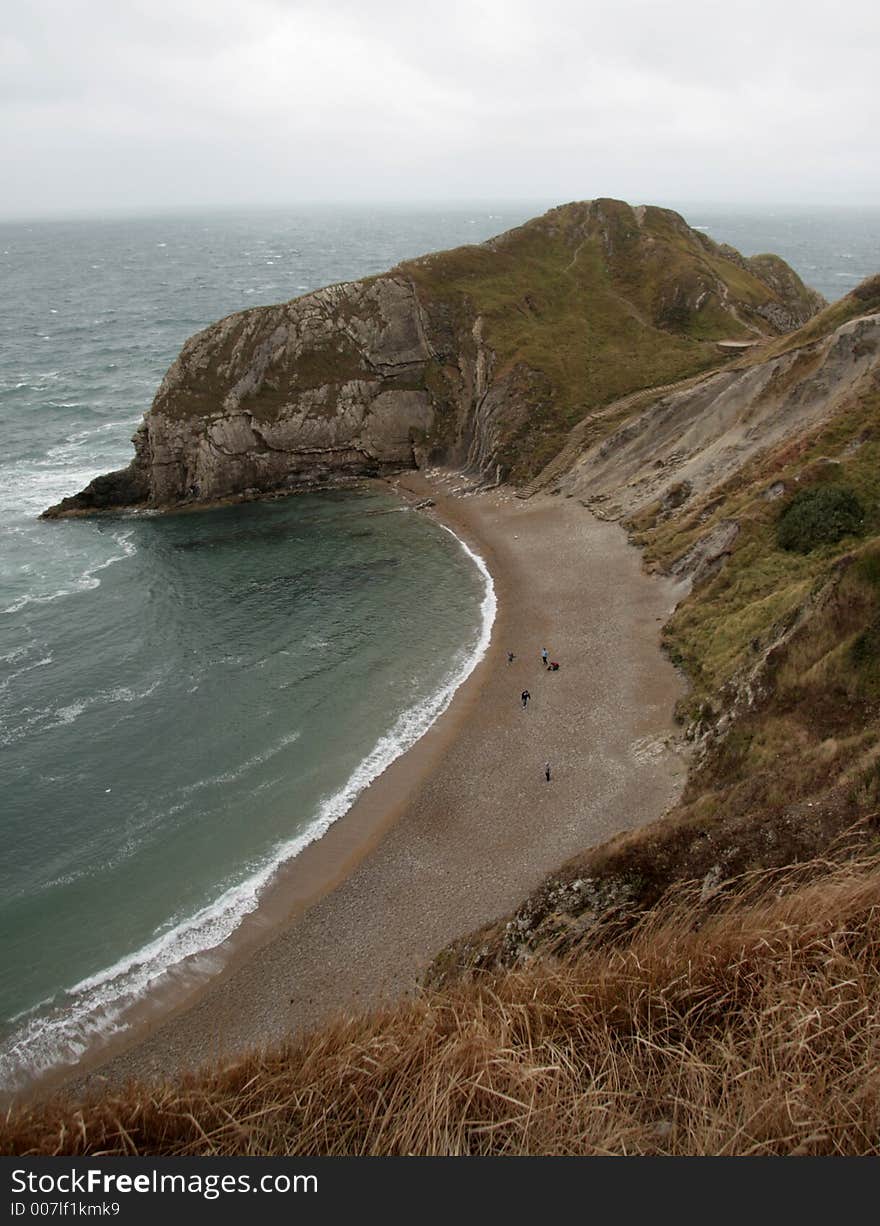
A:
(136, 105)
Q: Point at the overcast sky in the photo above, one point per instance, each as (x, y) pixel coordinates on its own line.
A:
(135, 104)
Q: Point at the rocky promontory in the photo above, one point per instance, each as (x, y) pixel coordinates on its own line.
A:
(484, 357)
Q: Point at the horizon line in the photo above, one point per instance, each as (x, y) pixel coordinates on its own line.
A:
(114, 212)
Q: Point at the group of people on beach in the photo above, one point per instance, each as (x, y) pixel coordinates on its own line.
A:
(552, 666)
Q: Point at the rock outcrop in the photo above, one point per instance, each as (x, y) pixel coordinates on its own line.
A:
(483, 357)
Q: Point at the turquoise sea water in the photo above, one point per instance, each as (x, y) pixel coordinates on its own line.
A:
(186, 700)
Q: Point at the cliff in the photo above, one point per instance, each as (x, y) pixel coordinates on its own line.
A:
(737, 484)
(682, 442)
(483, 357)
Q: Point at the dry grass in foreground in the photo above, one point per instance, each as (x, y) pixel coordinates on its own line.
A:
(755, 1030)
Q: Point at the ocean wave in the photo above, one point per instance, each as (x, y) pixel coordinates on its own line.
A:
(73, 444)
(37, 382)
(33, 482)
(95, 1008)
(231, 776)
(20, 672)
(119, 693)
(84, 582)
(28, 488)
(59, 717)
(16, 654)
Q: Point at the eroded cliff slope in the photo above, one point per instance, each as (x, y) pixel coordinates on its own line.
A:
(690, 439)
(482, 357)
(761, 485)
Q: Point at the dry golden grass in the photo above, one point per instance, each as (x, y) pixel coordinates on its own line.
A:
(753, 1030)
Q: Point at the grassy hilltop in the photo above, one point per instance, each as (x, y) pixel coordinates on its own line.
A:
(595, 300)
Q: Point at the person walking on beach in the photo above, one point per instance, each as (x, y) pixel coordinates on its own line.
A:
(525, 696)
(545, 655)
(510, 657)
(547, 771)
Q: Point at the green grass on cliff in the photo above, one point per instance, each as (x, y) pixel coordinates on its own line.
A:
(808, 723)
(599, 299)
(761, 583)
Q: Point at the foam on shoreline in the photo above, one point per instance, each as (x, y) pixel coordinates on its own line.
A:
(57, 1033)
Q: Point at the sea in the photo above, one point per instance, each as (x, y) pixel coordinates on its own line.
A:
(186, 701)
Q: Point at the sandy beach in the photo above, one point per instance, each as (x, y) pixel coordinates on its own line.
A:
(461, 828)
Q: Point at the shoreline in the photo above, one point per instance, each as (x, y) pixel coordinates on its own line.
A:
(328, 912)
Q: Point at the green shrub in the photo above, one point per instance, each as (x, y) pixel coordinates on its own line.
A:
(819, 516)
